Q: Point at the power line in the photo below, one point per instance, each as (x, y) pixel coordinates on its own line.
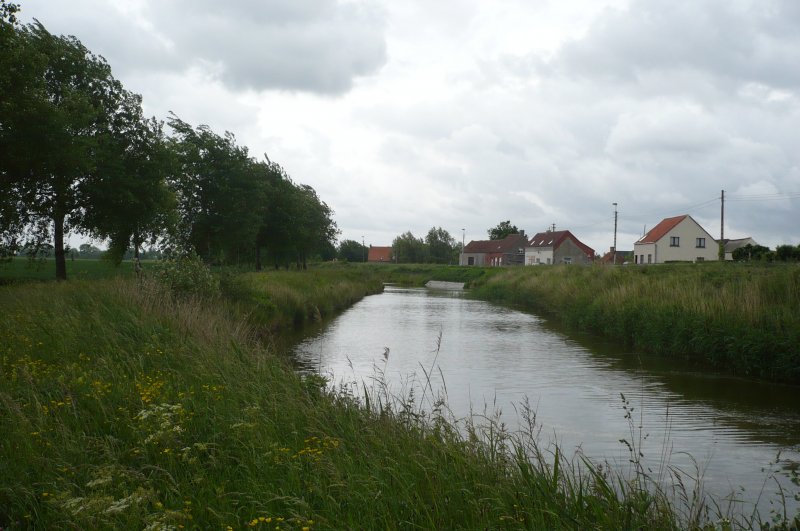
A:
(765, 197)
(675, 211)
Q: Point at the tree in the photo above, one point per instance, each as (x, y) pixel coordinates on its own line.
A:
(52, 132)
(133, 201)
(409, 249)
(277, 217)
(750, 252)
(503, 229)
(220, 192)
(314, 228)
(352, 251)
(440, 245)
(787, 253)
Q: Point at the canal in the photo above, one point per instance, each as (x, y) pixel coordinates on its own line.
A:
(741, 437)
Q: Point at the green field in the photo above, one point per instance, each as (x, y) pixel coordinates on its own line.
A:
(23, 269)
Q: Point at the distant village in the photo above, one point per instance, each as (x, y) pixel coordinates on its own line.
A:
(675, 239)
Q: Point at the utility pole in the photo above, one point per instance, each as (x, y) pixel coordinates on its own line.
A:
(614, 249)
(721, 252)
(463, 235)
(363, 250)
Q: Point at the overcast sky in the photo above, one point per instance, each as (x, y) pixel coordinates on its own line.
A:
(405, 115)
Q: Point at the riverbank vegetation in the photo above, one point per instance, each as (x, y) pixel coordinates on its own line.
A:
(124, 406)
(739, 318)
(127, 404)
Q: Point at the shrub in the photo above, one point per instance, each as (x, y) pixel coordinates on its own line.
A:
(187, 274)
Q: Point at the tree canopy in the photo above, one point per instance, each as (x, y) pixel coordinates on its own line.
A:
(352, 251)
(503, 229)
(408, 248)
(441, 246)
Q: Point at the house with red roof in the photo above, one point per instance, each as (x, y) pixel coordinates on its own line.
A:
(380, 254)
(677, 239)
(508, 251)
(557, 247)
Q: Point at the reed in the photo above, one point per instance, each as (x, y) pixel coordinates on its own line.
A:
(740, 318)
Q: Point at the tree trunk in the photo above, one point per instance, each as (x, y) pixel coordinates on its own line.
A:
(58, 233)
(258, 258)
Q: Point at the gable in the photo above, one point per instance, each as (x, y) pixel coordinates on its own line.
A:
(660, 230)
(555, 239)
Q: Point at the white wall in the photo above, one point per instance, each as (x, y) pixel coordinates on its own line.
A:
(642, 250)
(687, 232)
(538, 255)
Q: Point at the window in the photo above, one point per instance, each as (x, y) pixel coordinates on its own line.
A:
(649, 258)
(700, 243)
(471, 260)
(567, 259)
(674, 241)
(548, 261)
(700, 259)
(636, 259)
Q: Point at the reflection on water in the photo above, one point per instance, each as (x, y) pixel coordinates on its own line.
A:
(493, 358)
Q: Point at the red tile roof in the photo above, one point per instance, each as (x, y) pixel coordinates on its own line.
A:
(660, 230)
(510, 243)
(554, 239)
(379, 254)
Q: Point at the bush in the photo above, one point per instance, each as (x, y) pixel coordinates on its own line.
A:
(187, 274)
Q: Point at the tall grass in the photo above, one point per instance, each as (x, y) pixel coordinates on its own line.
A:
(124, 407)
(277, 300)
(740, 318)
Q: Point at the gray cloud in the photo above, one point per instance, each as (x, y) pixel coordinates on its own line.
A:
(734, 42)
(316, 46)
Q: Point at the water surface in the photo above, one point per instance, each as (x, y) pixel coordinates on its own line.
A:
(489, 359)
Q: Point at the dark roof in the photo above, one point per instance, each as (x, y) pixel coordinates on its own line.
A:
(732, 245)
(660, 230)
(554, 239)
(509, 244)
(379, 254)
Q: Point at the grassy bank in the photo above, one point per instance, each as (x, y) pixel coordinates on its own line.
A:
(123, 407)
(739, 318)
(275, 300)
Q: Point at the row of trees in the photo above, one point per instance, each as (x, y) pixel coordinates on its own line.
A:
(79, 156)
(782, 253)
(437, 247)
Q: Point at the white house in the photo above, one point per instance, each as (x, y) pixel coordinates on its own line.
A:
(557, 247)
(678, 239)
